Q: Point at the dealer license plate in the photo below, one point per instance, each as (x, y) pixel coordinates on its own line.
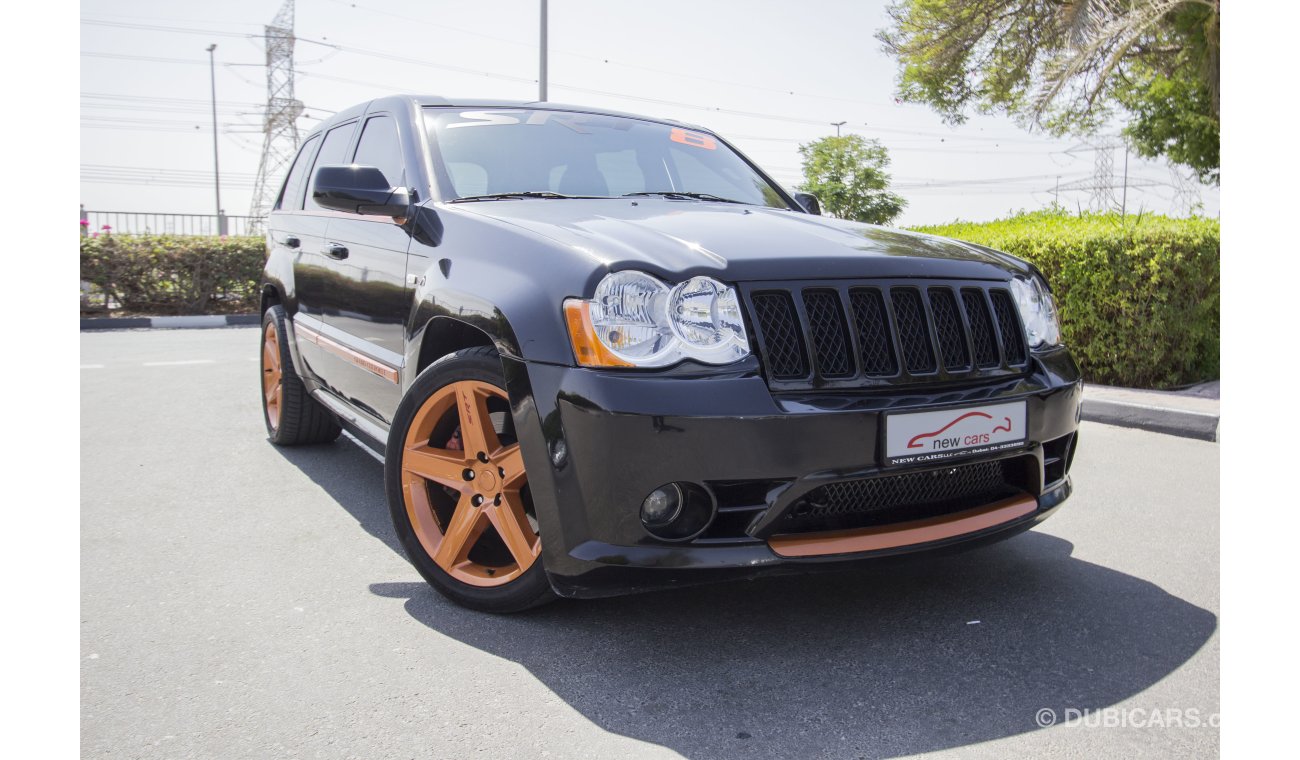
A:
(936, 436)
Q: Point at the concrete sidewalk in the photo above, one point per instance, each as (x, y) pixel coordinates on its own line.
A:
(1191, 413)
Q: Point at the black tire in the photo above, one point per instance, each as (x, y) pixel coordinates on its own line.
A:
(300, 419)
(531, 588)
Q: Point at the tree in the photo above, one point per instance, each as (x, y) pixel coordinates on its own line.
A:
(847, 174)
(1067, 66)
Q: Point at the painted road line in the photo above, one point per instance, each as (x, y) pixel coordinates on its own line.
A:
(179, 363)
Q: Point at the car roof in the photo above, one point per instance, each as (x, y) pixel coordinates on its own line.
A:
(438, 100)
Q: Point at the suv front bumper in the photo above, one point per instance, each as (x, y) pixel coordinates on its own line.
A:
(597, 443)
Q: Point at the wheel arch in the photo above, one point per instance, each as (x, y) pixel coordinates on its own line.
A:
(444, 335)
(270, 297)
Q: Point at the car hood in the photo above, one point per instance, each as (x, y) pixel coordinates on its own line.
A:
(682, 238)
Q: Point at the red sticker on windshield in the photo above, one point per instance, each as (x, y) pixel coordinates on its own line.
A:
(693, 139)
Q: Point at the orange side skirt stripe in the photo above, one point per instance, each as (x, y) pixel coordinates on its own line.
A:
(346, 354)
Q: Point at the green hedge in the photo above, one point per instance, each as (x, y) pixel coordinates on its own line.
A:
(174, 274)
(1139, 296)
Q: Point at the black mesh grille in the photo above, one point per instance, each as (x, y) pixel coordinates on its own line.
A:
(913, 335)
(904, 332)
(910, 496)
(872, 324)
(781, 340)
(948, 326)
(1013, 340)
(981, 328)
(828, 332)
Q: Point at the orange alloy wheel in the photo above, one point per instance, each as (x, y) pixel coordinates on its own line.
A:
(272, 380)
(481, 534)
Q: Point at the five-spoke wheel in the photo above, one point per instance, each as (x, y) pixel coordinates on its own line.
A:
(458, 489)
(292, 416)
(487, 479)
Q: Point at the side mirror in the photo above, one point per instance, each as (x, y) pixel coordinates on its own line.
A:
(359, 190)
(809, 202)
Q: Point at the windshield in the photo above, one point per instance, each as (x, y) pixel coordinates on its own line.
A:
(549, 154)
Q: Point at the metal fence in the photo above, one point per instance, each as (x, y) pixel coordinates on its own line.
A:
(143, 222)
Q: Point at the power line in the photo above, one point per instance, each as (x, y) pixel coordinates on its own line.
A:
(153, 58)
(172, 29)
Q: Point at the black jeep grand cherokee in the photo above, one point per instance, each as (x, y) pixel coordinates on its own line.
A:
(602, 353)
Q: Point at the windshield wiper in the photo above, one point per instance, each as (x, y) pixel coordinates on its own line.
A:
(519, 194)
(684, 195)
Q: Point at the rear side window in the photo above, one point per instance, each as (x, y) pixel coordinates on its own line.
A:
(379, 147)
(291, 194)
(333, 152)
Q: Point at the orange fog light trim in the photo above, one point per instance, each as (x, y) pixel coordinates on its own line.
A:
(588, 349)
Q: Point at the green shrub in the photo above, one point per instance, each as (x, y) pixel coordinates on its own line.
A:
(174, 274)
(1138, 296)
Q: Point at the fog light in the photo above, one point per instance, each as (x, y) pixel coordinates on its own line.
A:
(678, 511)
(662, 506)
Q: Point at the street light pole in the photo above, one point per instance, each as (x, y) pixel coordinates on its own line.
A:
(216, 161)
(837, 125)
(541, 81)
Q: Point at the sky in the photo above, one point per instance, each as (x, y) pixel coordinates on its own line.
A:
(766, 75)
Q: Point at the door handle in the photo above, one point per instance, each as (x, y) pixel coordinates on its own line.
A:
(336, 251)
(292, 241)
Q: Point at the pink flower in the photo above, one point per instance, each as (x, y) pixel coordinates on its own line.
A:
(85, 223)
(94, 234)
(106, 227)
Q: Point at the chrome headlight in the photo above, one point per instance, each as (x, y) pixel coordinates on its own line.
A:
(1037, 311)
(636, 320)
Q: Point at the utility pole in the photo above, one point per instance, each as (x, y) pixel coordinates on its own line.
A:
(541, 80)
(837, 125)
(1056, 194)
(216, 161)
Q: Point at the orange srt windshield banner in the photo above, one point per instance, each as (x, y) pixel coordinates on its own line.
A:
(694, 139)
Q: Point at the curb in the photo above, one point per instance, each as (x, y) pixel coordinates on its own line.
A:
(1155, 417)
(170, 323)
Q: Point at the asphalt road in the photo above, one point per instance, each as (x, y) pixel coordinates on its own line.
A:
(240, 600)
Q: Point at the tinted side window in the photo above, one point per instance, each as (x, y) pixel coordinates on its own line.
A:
(333, 152)
(379, 147)
(291, 194)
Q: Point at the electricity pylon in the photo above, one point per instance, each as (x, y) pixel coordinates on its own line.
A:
(280, 127)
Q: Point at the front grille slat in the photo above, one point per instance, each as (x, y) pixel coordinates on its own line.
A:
(865, 334)
(828, 332)
(1013, 335)
(981, 327)
(782, 343)
(876, 345)
(913, 335)
(948, 326)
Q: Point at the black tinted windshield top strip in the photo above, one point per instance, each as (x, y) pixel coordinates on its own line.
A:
(578, 110)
